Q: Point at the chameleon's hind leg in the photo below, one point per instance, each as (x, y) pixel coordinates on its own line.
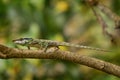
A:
(56, 48)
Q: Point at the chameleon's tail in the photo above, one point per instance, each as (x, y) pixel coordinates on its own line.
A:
(83, 47)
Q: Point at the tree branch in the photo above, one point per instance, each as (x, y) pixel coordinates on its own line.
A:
(8, 53)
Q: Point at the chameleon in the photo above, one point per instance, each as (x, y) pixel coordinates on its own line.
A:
(42, 43)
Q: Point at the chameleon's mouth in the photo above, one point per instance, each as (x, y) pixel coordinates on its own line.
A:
(18, 42)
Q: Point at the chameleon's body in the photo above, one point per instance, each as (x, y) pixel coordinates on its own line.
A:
(41, 43)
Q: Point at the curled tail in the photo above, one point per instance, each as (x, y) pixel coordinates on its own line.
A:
(83, 47)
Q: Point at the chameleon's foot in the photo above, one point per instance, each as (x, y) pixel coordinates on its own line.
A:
(45, 50)
(57, 48)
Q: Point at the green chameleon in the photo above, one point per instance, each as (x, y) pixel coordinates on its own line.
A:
(41, 43)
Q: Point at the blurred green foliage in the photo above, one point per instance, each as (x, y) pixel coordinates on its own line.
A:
(62, 20)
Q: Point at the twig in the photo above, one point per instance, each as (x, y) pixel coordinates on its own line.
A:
(8, 53)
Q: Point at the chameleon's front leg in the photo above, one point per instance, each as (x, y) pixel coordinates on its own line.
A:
(45, 46)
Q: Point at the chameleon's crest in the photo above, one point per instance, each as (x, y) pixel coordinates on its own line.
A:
(23, 41)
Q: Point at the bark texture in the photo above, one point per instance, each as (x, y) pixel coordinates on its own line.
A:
(9, 53)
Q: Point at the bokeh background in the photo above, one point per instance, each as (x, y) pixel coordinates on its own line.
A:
(62, 20)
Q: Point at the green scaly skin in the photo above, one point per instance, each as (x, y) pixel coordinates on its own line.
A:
(41, 43)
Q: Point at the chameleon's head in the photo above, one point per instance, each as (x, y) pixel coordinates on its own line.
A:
(23, 41)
